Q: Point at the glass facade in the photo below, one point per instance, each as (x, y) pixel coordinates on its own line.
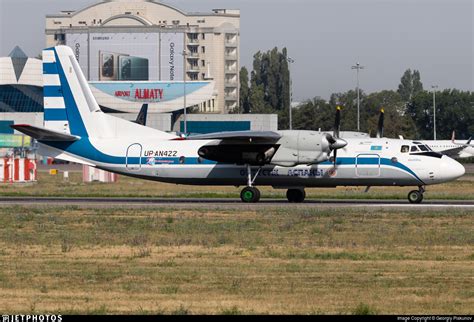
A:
(204, 127)
(21, 98)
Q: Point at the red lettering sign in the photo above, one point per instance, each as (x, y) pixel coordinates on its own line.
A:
(148, 93)
(122, 93)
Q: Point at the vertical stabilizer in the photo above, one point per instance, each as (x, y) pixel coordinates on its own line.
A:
(69, 105)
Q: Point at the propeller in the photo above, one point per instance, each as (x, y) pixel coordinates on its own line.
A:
(380, 124)
(335, 142)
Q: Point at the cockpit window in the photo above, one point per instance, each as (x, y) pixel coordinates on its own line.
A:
(414, 148)
(405, 148)
(423, 148)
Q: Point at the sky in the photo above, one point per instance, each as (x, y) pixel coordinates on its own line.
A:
(324, 37)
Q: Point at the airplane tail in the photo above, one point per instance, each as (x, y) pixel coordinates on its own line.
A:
(69, 105)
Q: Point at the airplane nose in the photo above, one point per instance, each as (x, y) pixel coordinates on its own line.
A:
(451, 169)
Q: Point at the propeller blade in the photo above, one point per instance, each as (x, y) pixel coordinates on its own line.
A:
(337, 122)
(335, 157)
(331, 139)
(380, 124)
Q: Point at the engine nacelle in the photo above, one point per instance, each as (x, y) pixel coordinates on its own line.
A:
(301, 147)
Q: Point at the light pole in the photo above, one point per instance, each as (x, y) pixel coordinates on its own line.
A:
(358, 67)
(434, 87)
(184, 91)
(290, 61)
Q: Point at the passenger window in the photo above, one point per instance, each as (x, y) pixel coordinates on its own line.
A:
(404, 149)
(414, 149)
(423, 148)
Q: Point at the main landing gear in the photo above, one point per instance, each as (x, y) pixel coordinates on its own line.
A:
(250, 193)
(416, 196)
(295, 195)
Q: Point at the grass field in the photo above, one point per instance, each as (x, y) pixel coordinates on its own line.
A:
(188, 261)
(49, 185)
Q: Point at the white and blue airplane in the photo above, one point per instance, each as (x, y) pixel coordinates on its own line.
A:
(451, 148)
(75, 129)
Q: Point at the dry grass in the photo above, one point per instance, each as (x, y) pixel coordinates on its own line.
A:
(169, 261)
(129, 187)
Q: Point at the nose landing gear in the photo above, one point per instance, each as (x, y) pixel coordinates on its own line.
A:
(416, 196)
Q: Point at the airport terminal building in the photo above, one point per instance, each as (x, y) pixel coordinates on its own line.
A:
(137, 52)
(149, 41)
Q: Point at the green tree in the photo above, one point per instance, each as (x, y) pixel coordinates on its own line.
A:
(410, 85)
(454, 112)
(270, 74)
(348, 102)
(257, 100)
(244, 90)
(396, 121)
(313, 115)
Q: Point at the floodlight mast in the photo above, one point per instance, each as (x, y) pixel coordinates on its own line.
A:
(358, 67)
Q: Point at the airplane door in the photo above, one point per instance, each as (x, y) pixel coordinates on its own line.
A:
(368, 165)
(133, 158)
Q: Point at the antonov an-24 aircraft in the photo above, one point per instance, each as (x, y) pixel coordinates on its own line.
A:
(75, 129)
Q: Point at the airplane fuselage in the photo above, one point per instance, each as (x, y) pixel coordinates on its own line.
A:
(443, 145)
(364, 162)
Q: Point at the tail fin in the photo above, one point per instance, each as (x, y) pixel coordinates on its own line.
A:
(68, 101)
(141, 118)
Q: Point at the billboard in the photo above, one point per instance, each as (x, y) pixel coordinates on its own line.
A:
(14, 140)
(129, 56)
(150, 92)
(80, 46)
(171, 57)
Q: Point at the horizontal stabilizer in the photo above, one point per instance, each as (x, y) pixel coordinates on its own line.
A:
(42, 134)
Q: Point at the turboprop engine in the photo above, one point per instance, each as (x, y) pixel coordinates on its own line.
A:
(305, 147)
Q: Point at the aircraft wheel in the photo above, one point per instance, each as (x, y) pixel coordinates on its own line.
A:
(250, 194)
(295, 195)
(415, 196)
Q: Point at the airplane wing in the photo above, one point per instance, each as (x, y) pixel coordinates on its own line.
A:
(238, 147)
(42, 134)
(248, 136)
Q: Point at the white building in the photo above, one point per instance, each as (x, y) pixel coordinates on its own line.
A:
(110, 36)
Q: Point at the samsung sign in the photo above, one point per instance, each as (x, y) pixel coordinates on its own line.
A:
(172, 47)
(129, 56)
